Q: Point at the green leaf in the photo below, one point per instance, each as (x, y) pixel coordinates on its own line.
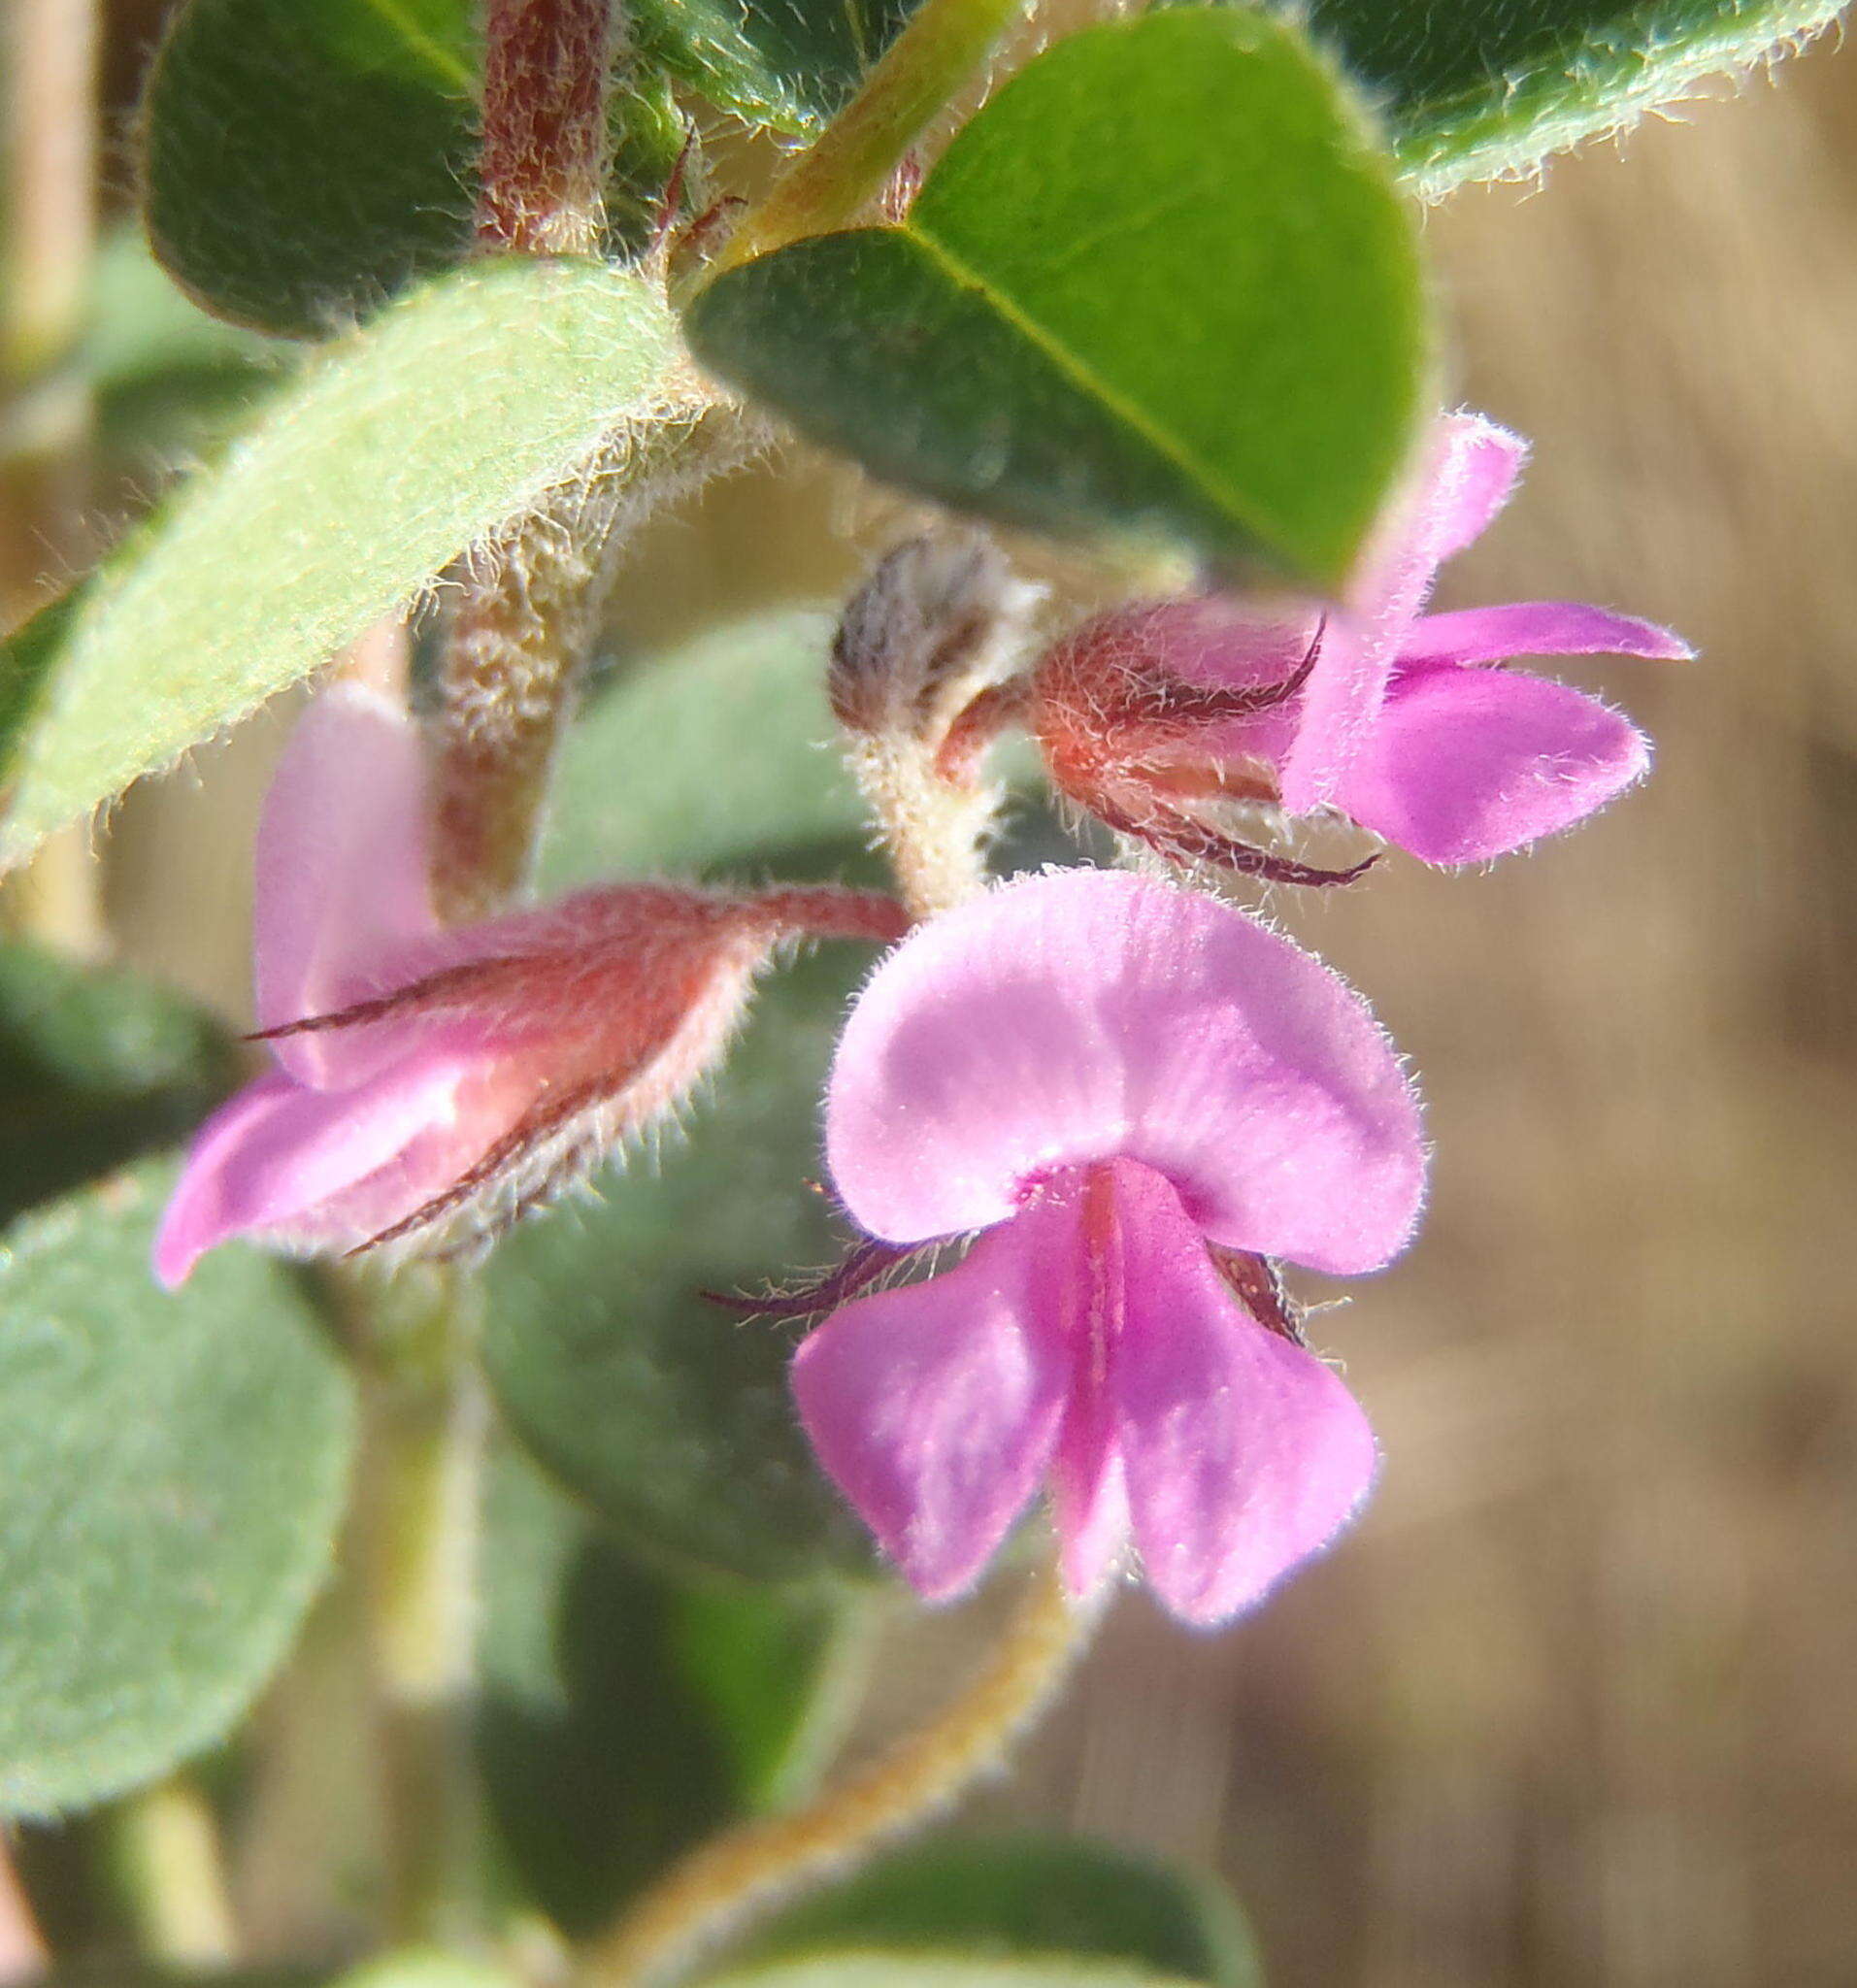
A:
(96, 1066)
(175, 1465)
(589, 1798)
(1207, 335)
(1025, 1894)
(424, 1968)
(169, 379)
(667, 1413)
(1489, 88)
(304, 159)
(781, 1673)
(450, 413)
(720, 760)
(786, 63)
(875, 1968)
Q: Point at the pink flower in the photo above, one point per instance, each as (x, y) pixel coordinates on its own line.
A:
(1157, 715)
(1136, 1095)
(432, 1083)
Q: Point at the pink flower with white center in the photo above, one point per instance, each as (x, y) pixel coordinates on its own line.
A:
(434, 1084)
(1136, 1095)
(1157, 715)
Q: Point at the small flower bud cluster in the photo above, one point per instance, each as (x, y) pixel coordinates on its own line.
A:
(925, 645)
(431, 1085)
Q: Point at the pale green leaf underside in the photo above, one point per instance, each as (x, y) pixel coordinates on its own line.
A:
(450, 413)
(175, 1469)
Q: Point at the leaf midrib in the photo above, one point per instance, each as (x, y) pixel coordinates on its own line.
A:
(1081, 375)
(447, 66)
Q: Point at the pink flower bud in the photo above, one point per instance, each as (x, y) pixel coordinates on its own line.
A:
(433, 1085)
(1166, 719)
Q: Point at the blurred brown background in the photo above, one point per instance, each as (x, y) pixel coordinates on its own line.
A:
(1578, 1702)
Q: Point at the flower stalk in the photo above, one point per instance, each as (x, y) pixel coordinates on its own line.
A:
(831, 183)
(931, 637)
(726, 1883)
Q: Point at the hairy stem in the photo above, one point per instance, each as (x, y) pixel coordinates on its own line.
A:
(48, 62)
(523, 609)
(934, 833)
(522, 620)
(715, 1891)
(543, 165)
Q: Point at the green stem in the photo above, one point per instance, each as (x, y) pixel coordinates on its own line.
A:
(168, 1842)
(723, 1884)
(831, 183)
(428, 1424)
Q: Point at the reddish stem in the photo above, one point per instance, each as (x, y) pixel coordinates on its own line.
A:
(958, 758)
(829, 910)
(545, 144)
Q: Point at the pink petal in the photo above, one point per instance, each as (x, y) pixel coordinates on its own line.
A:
(1090, 1498)
(1538, 628)
(1244, 1455)
(1469, 764)
(1476, 478)
(935, 1408)
(1089, 1015)
(1085, 1297)
(283, 1160)
(1470, 470)
(341, 875)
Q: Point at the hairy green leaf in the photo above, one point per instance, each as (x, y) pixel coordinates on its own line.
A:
(304, 159)
(1025, 1894)
(96, 1066)
(589, 1798)
(175, 1465)
(1208, 335)
(667, 1412)
(786, 63)
(720, 760)
(1489, 88)
(362, 478)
